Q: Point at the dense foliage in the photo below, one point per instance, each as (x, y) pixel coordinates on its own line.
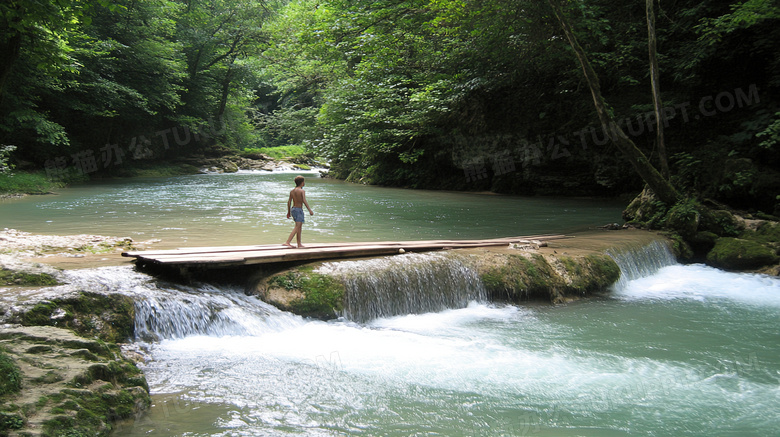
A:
(448, 94)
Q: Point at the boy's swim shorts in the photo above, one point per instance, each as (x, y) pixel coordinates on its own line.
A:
(297, 214)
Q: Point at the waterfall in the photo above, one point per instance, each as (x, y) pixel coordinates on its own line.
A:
(406, 284)
(167, 314)
(641, 262)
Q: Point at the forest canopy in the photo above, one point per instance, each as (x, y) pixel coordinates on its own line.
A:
(448, 94)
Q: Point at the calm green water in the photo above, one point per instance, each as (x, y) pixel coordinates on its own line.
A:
(250, 208)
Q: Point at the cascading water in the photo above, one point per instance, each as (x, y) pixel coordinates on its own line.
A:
(642, 262)
(171, 314)
(406, 284)
(684, 350)
(673, 350)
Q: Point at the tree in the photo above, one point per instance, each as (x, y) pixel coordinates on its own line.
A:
(109, 77)
(656, 88)
(20, 20)
(217, 36)
(390, 83)
(655, 180)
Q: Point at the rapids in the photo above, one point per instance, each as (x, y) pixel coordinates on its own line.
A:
(682, 350)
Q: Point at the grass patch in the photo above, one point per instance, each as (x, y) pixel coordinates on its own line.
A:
(27, 183)
(10, 376)
(10, 421)
(10, 277)
(278, 153)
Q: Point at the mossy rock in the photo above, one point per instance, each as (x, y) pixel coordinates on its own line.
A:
(10, 377)
(764, 216)
(645, 210)
(522, 278)
(306, 293)
(700, 244)
(683, 218)
(768, 232)
(10, 277)
(680, 247)
(589, 274)
(108, 317)
(65, 392)
(705, 238)
(229, 167)
(738, 254)
(721, 222)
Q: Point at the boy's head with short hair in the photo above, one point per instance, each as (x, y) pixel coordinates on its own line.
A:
(299, 181)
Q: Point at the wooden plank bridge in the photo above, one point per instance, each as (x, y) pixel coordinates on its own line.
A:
(231, 256)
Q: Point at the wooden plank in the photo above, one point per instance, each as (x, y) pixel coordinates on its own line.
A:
(298, 254)
(195, 250)
(215, 257)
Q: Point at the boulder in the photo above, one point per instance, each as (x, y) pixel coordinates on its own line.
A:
(738, 254)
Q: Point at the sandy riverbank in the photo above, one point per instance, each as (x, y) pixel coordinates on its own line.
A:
(65, 251)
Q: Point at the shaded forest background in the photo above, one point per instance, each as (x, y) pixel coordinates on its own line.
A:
(441, 94)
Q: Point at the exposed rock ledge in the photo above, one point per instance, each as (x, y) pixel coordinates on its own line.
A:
(561, 271)
(65, 384)
(84, 384)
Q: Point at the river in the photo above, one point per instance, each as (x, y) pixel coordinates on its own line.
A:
(251, 208)
(682, 350)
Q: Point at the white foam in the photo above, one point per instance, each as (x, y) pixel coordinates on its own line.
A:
(703, 283)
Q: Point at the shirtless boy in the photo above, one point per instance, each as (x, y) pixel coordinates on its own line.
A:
(298, 200)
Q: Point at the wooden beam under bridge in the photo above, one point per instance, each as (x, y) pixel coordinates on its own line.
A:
(232, 256)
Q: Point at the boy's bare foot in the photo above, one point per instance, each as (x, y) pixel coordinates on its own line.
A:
(300, 246)
(288, 245)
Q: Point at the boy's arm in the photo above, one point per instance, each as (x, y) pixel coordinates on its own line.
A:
(289, 201)
(307, 204)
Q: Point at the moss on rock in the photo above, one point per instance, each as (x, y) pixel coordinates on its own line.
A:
(740, 254)
(314, 294)
(683, 218)
(680, 246)
(65, 391)
(10, 377)
(108, 317)
(721, 222)
(591, 273)
(520, 277)
(512, 276)
(766, 232)
(27, 279)
(645, 210)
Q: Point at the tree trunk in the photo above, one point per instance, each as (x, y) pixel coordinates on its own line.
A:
(225, 92)
(656, 87)
(660, 185)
